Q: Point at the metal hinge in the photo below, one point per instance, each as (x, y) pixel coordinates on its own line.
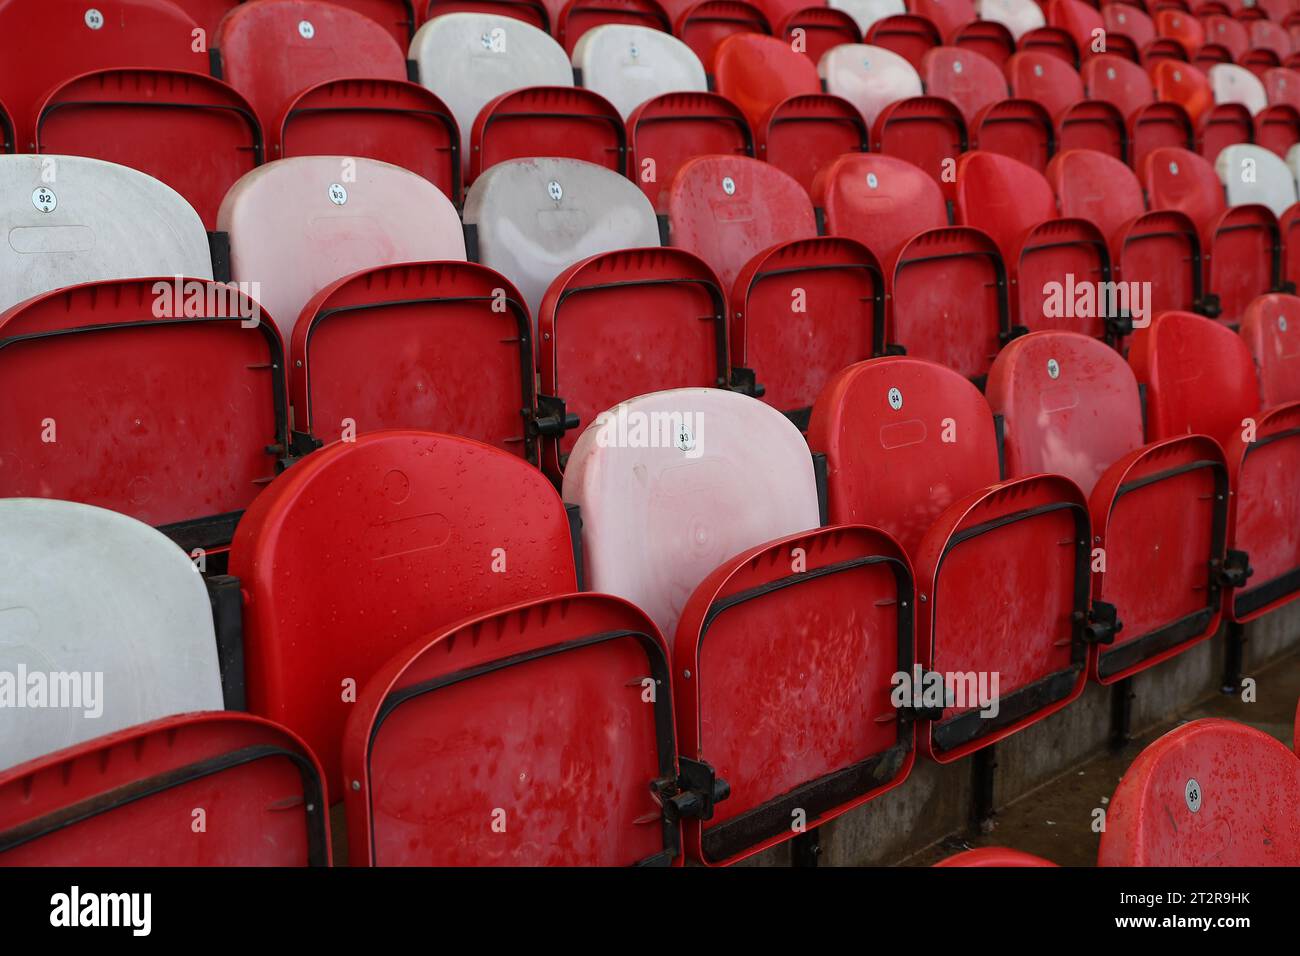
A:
(693, 794)
(1098, 625)
(1233, 570)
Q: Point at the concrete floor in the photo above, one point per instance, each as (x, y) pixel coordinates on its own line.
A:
(1055, 821)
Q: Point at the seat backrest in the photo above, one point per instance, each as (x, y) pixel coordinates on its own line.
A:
(629, 64)
(904, 439)
(1130, 21)
(869, 77)
(1198, 374)
(671, 484)
(969, 79)
(1117, 80)
(362, 547)
(71, 220)
(1271, 330)
(1181, 26)
(273, 50)
(1076, 18)
(296, 225)
(1228, 33)
(758, 72)
(1282, 86)
(108, 615)
(1093, 186)
(1002, 196)
(81, 37)
(536, 217)
(469, 59)
(1069, 405)
(1267, 35)
(867, 12)
(947, 15)
(727, 209)
(1209, 793)
(1236, 84)
(1184, 84)
(1253, 174)
(1044, 78)
(1179, 179)
(1018, 16)
(879, 200)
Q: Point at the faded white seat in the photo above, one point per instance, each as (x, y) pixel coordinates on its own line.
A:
(628, 65)
(869, 77)
(1018, 16)
(1253, 174)
(867, 12)
(1236, 84)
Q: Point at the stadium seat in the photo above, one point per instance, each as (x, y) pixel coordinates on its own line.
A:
(947, 284)
(1128, 30)
(1161, 247)
(1235, 84)
(1055, 41)
(1182, 27)
(911, 37)
(137, 797)
(1209, 793)
(797, 127)
(1082, 22)
(1228, 33)
(1267, 38)
(1015, 205)
(869, 77)
(802, 307)
(811, 28)
(470, 747)
(404, 533)
(1269, 329)
(673, 484)
(1070, 406)
(1241, 244)
(1217, 123)
(961, 28)
(1253, 174)
(704, 24)
(194, 133)
(994, 856)
(109, 33)
(571, 19)
(398, 17)
(667, 131)
(1019, 128)
(1080, 123)
(629, 65)
(867, 12)
(327, 81)
(1200, 377)
(162, 399)
(548, 121)
(533, 218)
(430, 345)
(1277, 126)
(470, 59)
(1151, 124)
(297, 225)
(72, 220)
(822, 621)
(1018, 16)
(911, 449)
(98, 596)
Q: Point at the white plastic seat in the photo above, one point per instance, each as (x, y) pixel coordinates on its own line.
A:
(1253, 174)
(89, 591)
(296, 225)
(1018, 16)
(70, 220)
(674, 483)
(1236, 84)
(867, 12)
(1293, 163)
(536, 217)
(869, 77)
(469, 59)
(628, 65)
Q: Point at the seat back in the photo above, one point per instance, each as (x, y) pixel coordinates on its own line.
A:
(1253, 174)
(436, 528)
(1282, 87)
(1080, 20)
(728, 209)
(536, 217)
(1117, 80)
(1228, 33)
(1128, 20)
(1236, 84)
(1045, 79)
(1002, 196)
(296, 225)
(72, 220)
(716, 473)
(1271, 330)
(1093, 186)
(1209, 793)
(948, 15)
(668, 131)
(704, 24)
(880, 201)
(631, 64)
(1179, 179)
(867, 12)
(1181, 26)
(105, 613)
(114, 800)
(869, 77)
(969, 79)
(1018, 16)
(1184, 84)
(572, 19)
(758, 73)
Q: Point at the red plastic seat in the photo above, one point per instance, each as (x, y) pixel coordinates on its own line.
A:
(1228, 33)
(797, 127)
(1054, 41)
(1182, 27)
(153, 34)
(704, 24)
(1070, 406)
(947, 284)
(1080, 123)
(994, 856)
(471, 746)
(433, 345)
(824, 737)
(1014, 204)
(194, 133)
(1150, 123)
(1082, 21)
(1128, 29)
(1209, 793)
(572, 18)
(1241, 245)
(984, 551)
(811, 28)
(1270, 329)
(1018, 128)
(129, 798)
(959, 26)
(398, 17)
(1271, 36)
(549, 121)
(1277, 126)
(1161, 247)
(1217, 124)
(1200, 377)
(434, 529)
(802, 307)
(169, 407)
(908, 35)
(666, 131)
